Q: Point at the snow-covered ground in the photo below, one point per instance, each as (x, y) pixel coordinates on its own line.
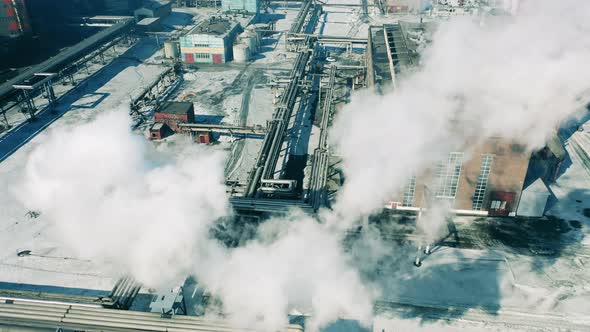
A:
(497, 289)
(492, 288)
(52, 264)
(572, 188)
(15, 117)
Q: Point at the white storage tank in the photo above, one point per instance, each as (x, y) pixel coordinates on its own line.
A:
(258, 35)
(256, 39)
(171, 49)
(249, 41)
(241, 53)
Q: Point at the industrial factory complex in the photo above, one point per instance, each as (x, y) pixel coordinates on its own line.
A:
(263, 81)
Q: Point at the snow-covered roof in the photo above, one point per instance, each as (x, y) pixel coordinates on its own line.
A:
(148, 21)
(538, 187)
(556, 147)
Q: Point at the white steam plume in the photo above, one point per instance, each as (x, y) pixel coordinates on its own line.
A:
(295, 262)
(112, 200)
(514, 77)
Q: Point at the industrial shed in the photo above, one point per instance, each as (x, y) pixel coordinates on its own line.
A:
(153, 8)
(149, 24)
(175, 113)
(159, 130)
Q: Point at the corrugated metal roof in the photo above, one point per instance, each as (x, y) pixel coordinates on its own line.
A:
(175, 107)
(148, 21)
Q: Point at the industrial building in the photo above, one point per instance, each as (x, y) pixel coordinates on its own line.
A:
(243, 6)
(175, 113)
(210, 41)
(160, 130)
(547, 162)
(153, 8)
(490, 178)
(387, 54)
(14, 19)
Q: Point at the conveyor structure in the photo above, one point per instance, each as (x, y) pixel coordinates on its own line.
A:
(68, 55)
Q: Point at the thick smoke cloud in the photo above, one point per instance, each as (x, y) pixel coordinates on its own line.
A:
(514, 77)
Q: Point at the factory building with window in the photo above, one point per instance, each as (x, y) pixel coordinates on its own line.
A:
(14, 19)
(210, 41)
(488, 178)
(484, 179)
(243, 6)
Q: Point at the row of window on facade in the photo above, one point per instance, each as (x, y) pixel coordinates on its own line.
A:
(447, 176)
(192, 57)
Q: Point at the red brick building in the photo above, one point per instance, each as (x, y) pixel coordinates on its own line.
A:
(175, 113)
(159, 130)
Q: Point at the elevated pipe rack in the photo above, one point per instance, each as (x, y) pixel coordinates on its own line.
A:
(222, 129)
(68, 55)
(321, 157)
(269, 153)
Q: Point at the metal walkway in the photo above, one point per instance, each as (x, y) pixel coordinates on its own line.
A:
(70, 54)
(222, 129)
